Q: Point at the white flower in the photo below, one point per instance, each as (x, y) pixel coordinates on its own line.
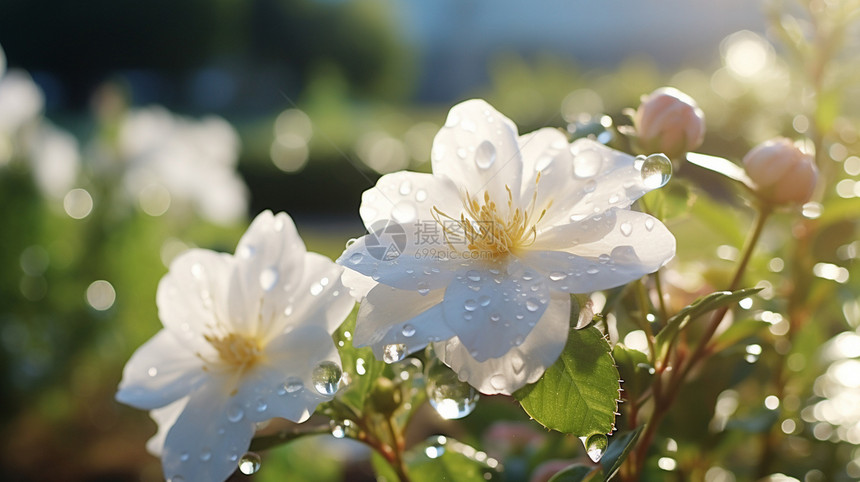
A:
(245, 338)
(172, 158)
(21, 102)
(480, 256)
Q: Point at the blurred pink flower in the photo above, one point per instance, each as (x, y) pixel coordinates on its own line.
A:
(669, 121)
(781, 172)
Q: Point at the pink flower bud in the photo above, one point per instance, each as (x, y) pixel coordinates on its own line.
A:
(781, 172)
(669, 121)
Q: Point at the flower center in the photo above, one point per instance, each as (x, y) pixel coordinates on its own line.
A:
(237, 351)
(486, 229)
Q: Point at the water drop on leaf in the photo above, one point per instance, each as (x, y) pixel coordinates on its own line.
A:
(656, 170)
(449, 396)
(595, 446)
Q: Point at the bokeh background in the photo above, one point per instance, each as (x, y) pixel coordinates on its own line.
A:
(130, 131)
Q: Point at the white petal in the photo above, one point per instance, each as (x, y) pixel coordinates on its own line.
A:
(477, 148)
(600, 178)
(391, 316)
(408, 198)
(269, 262)
(636, 245)
(491, 311)
(396, 256)
(318, 298)
(165, 417)
(263, 393)
(521, 364)
(160, 372)
(546, 151)
(203, 444)
(358, 284)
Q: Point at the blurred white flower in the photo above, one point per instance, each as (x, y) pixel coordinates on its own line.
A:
(246, 338)
(21, 102)
(55, 159)
(171, 158)
(480, 256)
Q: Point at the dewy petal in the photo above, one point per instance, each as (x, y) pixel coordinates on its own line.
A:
(164, 417)
(396, 256)
(391, 316)
(264, 391)
(358, 284)
(191, 298)
(477, 148)
(408, 198)
(269, 261)
(636, 245)
(602, 179)
(521, 364)
(546, 152)
(204, 444)
(492, 310)
(160, 372)
(318, 298)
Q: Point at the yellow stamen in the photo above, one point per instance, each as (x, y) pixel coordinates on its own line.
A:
(237, 351)
(484, 229)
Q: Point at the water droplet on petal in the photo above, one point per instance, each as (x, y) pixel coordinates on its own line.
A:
(197, 271)
(152, 371)
(626, 229)
(205, 455)
(485, 155)
(316, 289)
(183, 457)
(557, 276)
(656, 170)
(517, 363)
(649, 224)
(473, 275)
(420, 195)
(246, 251)
(423, 288)
(592, 270)
(590, 186)
(269, 278)
(595, 445)
(484, 300)
(260, 405)
(393, 352)
(235, 413)
(470, 305)
(532, 305)
(447, 394)
(461, 153)
(356, 258)
(405, 188)
(249, 463)
(498, 381)
(586, 164)
(326, 377)
(603, 258)
(292, 385)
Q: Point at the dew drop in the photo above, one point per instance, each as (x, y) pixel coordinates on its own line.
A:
(495, 317)
(326, 377)
(626, 229)
(656, 170)
(420, 195)
(393, 352)
(557, 276)
(604, 258)
(408, 330)
(246, 251)
(292, 385)
(517, 363)
(497, 381)
(532, 305)
(470, 305)
(595, 446)
(269, 278)
(205, 455)
(235, 413)
(405, 188)
(423, 288)
(473, 275)
(356, 258)
(613, 199)
(447, 394)
(519, 340)
(484, 300)
(586, 164)
(590, 186)
(152, 371)
(649, 224)
(197, 271)
(183, 457)
(461, 153)
(592, 270)
(316, 289)
(249, 463)
(485, 155)
(260, 405)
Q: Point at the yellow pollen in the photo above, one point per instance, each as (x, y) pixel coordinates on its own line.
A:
(483, 228)
(236, 350)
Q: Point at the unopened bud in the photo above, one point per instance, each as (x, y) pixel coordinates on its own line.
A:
(669, 121)
(782, 173)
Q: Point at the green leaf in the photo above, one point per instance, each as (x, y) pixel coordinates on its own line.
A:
(576, 473)
(740, 330)
(619, 446)
(692, 311)
(579, 393)
(383, 470)
(443, 458)
(359, 365)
